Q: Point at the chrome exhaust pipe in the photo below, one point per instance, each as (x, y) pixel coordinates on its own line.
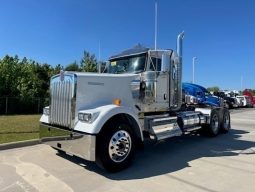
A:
(179, 72)
(179, 45)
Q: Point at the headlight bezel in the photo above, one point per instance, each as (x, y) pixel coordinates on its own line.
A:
(88, 116)
(85, 117)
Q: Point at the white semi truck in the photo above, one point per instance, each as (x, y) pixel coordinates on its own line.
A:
(106, 117)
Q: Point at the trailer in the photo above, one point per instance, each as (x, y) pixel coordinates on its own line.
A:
(106, 117)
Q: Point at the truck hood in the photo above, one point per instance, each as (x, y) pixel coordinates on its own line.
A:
(94, 89)
(212, 101)
(71, 92)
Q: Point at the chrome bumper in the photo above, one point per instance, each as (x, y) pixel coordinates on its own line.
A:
(69, 141)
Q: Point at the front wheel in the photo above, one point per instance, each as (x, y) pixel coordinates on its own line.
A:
(115, 146)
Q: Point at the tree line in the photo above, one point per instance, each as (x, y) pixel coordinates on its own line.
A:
(217, 89)
(27, 79)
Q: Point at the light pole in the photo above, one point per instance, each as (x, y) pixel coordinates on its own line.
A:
(156, 23)
(241, 83)
(193, 69)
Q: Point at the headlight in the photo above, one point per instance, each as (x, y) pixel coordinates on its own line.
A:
(86, 117)
(46, 111)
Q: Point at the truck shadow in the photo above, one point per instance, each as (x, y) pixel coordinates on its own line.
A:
(175, 154)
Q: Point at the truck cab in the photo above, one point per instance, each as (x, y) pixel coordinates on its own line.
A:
(106, 117)
(156, 72)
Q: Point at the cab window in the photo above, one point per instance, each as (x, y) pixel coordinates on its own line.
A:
(155, 64)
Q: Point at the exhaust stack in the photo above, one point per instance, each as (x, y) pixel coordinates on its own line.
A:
(179, 45)
(179, 72)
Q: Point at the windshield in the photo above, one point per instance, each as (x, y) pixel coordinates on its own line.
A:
(132, 64)
(207, 94)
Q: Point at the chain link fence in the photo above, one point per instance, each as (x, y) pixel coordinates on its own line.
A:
(17, 105)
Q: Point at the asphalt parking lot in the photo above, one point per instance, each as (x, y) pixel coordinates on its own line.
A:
(189, 163)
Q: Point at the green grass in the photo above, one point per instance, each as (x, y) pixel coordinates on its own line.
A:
(19, 127)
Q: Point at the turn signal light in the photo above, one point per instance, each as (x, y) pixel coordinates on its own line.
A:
(117, 102)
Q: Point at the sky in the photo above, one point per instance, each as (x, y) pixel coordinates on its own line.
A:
(220, 33)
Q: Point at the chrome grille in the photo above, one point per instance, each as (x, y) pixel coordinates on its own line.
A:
(62, 102)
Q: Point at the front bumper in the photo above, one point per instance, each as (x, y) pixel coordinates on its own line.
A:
(70, 141)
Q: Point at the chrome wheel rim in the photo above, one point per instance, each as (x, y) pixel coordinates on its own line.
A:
(215, 123)
(120, 146)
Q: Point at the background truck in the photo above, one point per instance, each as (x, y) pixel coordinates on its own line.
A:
(199, 95)
(245, 101)
(106, 117)
(248, 93)
(231, 102)
(229, 98)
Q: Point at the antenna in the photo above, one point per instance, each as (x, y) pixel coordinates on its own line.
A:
(156, 23)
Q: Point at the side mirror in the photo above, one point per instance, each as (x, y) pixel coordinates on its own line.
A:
(165, 62)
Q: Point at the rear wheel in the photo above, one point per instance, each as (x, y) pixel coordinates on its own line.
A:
(213, 128)
(115, 146)
(225, 123)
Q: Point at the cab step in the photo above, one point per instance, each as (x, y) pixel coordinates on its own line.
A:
(162, 127)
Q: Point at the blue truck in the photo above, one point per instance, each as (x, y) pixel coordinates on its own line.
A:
(197, 95)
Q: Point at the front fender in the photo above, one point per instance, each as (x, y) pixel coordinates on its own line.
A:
(104, 113)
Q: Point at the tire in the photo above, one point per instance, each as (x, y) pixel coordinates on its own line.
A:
(115, 146)
(213, 128)
(225, 121)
